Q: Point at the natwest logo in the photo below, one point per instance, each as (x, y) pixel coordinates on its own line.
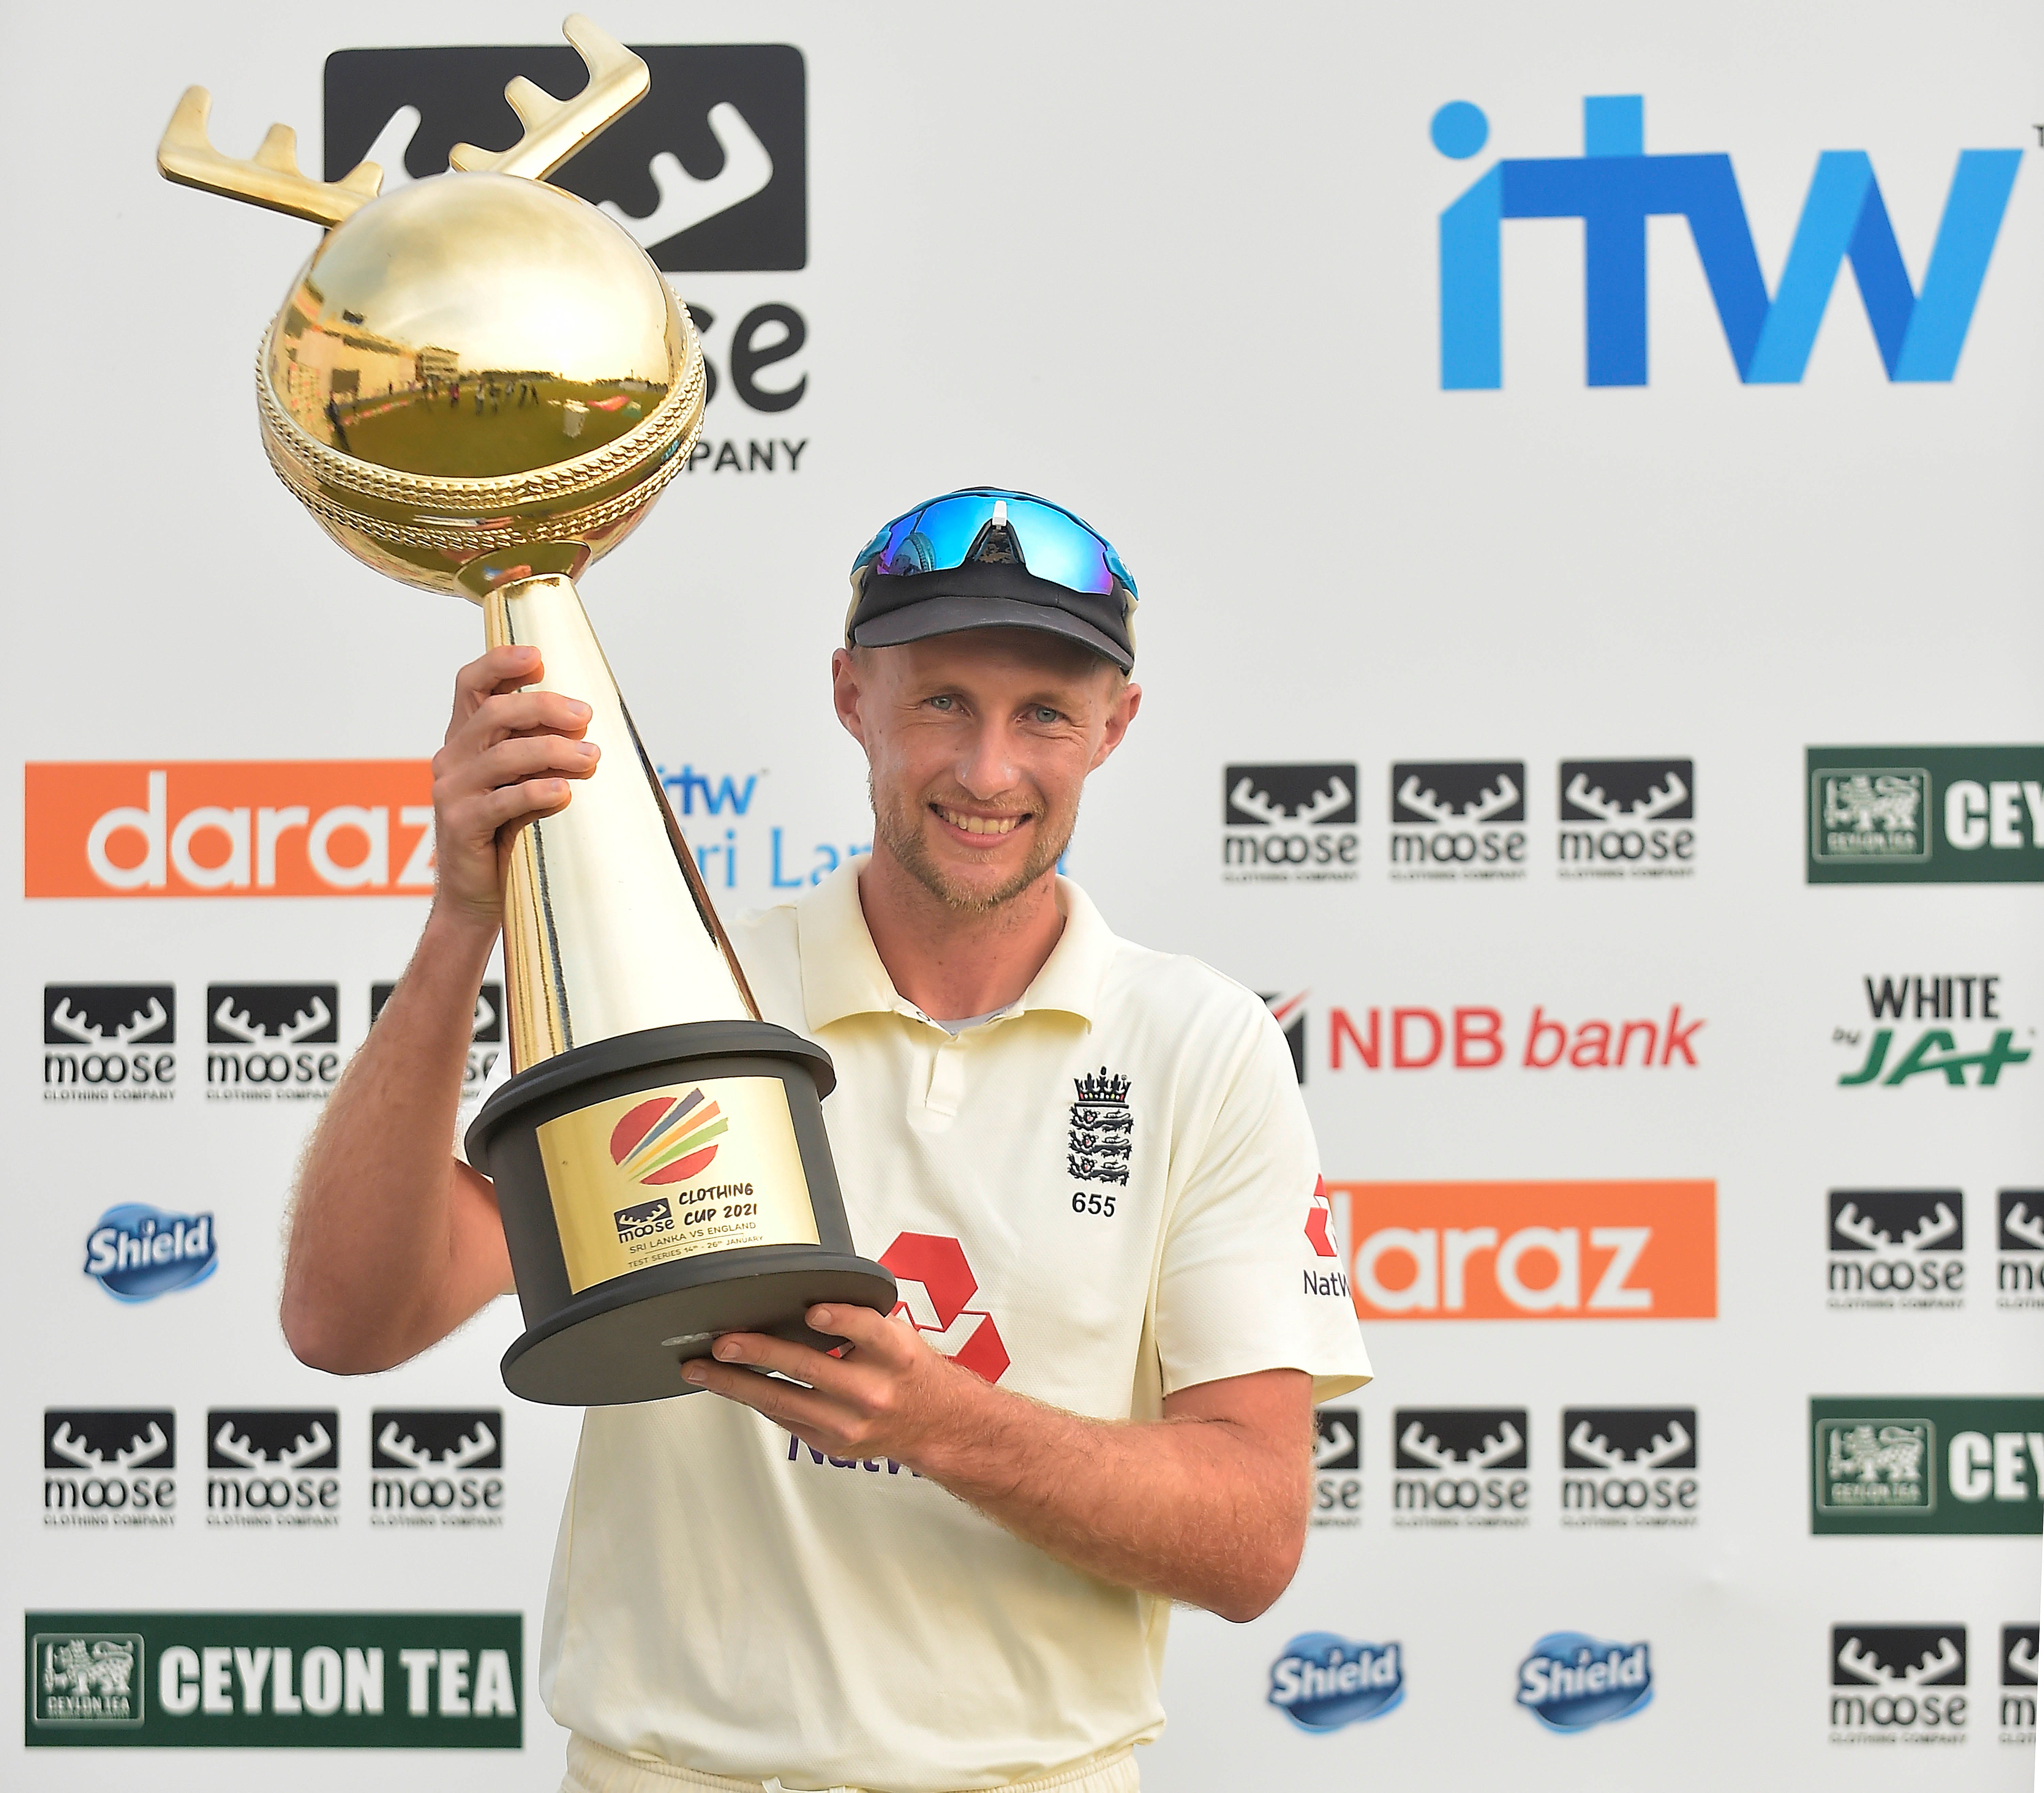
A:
(935, 1284)
(229, 828)
(1533, 1251)
(1614, 186)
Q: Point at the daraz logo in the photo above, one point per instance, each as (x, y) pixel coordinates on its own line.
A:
(669, 1139)
(229, 828)
(1532, 1251)
(1614, 186)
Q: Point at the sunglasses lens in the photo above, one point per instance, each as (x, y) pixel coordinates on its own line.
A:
(941, 535)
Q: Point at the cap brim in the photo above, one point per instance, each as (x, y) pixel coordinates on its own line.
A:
(948, 616)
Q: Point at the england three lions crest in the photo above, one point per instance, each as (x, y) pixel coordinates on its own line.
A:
(1102, 1134)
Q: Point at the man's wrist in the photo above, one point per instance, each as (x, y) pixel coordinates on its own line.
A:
(456, 933)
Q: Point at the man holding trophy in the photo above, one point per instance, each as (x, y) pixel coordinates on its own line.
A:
(923, 1537)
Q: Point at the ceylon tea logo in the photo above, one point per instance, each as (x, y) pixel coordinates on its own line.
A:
(600, 1160)
(229, 828)
(669, 1139)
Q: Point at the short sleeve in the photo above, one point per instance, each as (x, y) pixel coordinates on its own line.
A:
(1251, 1277)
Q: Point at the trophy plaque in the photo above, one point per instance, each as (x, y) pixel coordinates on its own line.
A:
(478, 384)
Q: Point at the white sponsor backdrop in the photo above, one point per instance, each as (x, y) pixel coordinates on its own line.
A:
(1176, 268)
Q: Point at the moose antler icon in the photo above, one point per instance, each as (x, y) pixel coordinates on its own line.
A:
(2023, 1657)
(1252, 801)
(141, 1022)
(1856, 1659)
(304, 1448)
(2024, 1225)
(1940, 1223)
(140, 1449)
(408, 1451)
(1428, 1449)
(303, 1024)
(1479, 808)
(1657, 802)
(1664, 1447)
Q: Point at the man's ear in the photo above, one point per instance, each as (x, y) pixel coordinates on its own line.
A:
(847, 683)
(1120, 712)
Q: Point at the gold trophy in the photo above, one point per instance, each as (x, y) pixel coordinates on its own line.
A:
(479, 385)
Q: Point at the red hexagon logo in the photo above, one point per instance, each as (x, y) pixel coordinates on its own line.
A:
(935, 1284)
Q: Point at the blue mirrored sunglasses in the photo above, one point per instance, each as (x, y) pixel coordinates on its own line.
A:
(1054, 544)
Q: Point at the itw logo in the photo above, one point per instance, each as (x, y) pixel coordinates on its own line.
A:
(1614, 186)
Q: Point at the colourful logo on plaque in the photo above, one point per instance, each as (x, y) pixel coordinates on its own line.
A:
(668, 1139)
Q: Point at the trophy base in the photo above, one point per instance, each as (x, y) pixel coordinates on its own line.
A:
(624, 1274)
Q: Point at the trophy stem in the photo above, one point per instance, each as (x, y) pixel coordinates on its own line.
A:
(608, 928)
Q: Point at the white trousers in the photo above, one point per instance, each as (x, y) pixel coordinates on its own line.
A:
(592, 1768)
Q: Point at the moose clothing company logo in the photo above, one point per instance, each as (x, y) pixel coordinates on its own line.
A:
(137, 1252)
(708, 172)
(1910, 1465)
(1337, 1468)
(272, 1466)
(1614, 186)
(1627, 818)
(1445, 817)
(2019, 1684)
(1460, 1466)
(437, 1467)
(109, 1042)
(485, 1037)
(1926, 815)
(1533, 1251)
(1571, 1680)
(1897, 1248)
(2018, 1267)
(1888, 1683)
(289, 1680)
(229, 828)
(105, 1466)
(1893, 1050)
(1323, 1681)
(1629, 1466)
(263, 1041)
(1480, 1038)
(1291, 823)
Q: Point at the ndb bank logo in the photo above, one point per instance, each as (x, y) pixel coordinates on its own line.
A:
(1925, 815)
(1323, 1682)
(1571, 1681)
(1337, 1468)
(2018, 1683)
(264, 1041)
(106, 1042)
(1897, 1248)
(1627, 818)
(1629, 1466)
(485, 1037)
(104, 1467)
(272, 1466)
(1897, 1048)
(1457, 1466)
(436, 1466)
(137, 1252)
(1615, 186)
(2019, 1268)
(1291, 823)
(1888, 1683)
(1455, 819)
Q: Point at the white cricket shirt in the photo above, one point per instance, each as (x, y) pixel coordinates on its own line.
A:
(1104, 1194)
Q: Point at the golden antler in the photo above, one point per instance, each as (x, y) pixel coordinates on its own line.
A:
(555, 130)
(271, 177)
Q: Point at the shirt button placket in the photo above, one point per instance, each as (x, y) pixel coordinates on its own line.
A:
(946, 1077)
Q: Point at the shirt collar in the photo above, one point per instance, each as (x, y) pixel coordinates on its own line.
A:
(842, 974)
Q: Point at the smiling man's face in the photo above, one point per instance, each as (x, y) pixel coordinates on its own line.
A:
(977, 744)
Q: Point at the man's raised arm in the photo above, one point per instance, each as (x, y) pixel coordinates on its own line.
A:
(394, 1242)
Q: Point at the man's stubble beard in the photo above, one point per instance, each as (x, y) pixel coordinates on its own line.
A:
(898, 829)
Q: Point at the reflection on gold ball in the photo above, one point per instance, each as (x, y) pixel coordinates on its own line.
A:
(475, 367)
